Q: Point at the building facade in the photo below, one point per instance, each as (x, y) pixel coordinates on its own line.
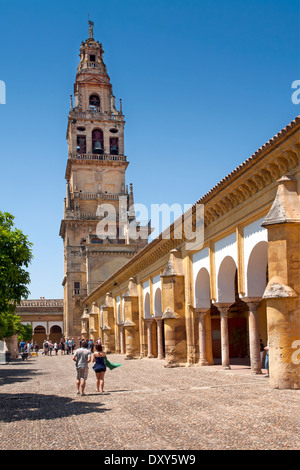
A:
(200, 304)
(98, 208)
(45, 317)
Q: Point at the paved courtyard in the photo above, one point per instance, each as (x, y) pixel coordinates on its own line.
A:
(145, 407)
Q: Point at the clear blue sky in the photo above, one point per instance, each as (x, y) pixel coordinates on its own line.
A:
(204, 84)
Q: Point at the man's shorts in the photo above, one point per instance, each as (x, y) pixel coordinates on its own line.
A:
(82, 373)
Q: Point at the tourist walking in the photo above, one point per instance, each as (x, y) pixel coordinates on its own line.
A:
(68, 346)
(62, 347)
(262, 351)
(267, 359)
(99, 367)
(91, 345)
(46, 348)
(82, 357)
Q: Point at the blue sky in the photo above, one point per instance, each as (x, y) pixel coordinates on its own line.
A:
(204, 84)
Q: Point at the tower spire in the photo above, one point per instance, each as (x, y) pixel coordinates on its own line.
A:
(131, 211)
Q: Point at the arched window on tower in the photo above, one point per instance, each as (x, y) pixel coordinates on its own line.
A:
(97, 141)
(114, 146)
(81, 144)
(94, 102)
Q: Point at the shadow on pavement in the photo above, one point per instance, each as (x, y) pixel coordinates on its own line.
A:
(20, 374)
(33, 407)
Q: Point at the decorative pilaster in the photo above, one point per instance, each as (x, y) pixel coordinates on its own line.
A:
(174, 311)
(282, 291)
(84, 322)
(93, 322)
(131, 323)
(108, 328)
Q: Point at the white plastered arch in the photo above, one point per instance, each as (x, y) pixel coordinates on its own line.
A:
(226, 265)
(255, 258)
(200, 262)
(156, 289)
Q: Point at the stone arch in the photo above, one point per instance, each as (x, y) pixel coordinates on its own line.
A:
(257, 270)
(39, 335)
(55, 333)
(157, 303)
(97, 141)
(202, 289)
(226, 280)
(94, 101)
(147, 312)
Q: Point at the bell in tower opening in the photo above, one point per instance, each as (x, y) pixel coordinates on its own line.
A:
(97, 141)
(95, 102)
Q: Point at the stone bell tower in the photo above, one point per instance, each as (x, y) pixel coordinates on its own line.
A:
(98, 207)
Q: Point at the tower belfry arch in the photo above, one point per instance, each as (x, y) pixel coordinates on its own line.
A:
(95, 175)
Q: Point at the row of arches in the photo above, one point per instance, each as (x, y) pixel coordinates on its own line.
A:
(147, 308)
(156, 304)
(237, 307)
(256, 278)
(40, 334)
(223, 318)
(97, 143)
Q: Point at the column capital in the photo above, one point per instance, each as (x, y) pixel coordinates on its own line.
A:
(252, 302)
(201, 312)
(223, 308)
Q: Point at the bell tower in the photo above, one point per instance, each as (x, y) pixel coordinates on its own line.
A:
(95, 179)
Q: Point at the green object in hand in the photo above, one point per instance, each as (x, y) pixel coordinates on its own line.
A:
(111, 365)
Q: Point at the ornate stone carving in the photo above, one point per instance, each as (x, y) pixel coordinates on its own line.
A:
(170, 314)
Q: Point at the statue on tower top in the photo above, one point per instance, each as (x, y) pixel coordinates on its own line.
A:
(91, 29)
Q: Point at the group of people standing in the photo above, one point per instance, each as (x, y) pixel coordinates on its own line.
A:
(91, 344)
(26, 346)
(64, 346)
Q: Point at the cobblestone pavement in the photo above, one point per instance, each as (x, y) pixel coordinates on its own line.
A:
(146, 407)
